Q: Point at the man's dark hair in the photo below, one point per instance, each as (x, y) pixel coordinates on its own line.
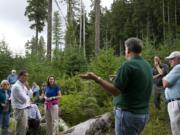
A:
(134, 45)
(22, 72)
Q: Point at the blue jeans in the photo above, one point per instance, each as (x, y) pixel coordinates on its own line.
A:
(4, 122)
(127, 123)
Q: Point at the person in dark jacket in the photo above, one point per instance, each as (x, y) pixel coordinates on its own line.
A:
(5, 107)
(159, 71)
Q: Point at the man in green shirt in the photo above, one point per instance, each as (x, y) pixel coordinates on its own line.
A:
(131, 90)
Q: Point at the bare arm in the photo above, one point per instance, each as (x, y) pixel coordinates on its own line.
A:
(107, 86)
(156, 76)
(165, 83)
(160, 71)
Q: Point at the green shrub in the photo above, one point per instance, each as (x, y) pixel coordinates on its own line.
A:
(158, 123)
(71, 108)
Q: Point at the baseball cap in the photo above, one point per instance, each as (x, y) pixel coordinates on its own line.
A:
(173, 55)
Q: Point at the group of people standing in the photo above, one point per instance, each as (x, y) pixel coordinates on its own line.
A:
(16, 93)
(132, 87)
(131, 90)
(168, 84)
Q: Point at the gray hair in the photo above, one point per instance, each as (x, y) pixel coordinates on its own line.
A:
(134, 45)
(4, 81)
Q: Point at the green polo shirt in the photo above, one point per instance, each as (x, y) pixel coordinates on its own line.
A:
(134, 80)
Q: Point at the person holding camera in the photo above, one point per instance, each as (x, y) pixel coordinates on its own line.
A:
(159, 71)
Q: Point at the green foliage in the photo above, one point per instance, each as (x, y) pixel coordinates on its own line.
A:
(12, 123)
(36, 11)
(74, 61)
(91, 107)
(71, 106)
(38, 70)
(105, 64)
(70, 37)
(5, 60)
(58, 62)
(74, 110)
(5, 66)
(150, 50)
(41, 48)
(85, 99)
(31, 49)
(137, 18)
(57, 31)
(70, 85)
(158, 123)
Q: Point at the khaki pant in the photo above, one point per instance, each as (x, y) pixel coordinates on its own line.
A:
(174, 115)
(21, 119)
(52, 120)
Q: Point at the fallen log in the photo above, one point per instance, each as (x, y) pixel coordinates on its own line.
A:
(96, 126)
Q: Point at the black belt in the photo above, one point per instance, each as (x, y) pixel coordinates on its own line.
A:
(174, 99)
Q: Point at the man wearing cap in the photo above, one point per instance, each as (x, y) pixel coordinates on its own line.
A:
(12, 78)
(172, 92)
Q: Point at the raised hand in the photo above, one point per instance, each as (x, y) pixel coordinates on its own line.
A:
(89, 76)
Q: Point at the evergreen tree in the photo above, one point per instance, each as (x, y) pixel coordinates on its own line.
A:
(57, 31)
(6, 60)
(31, 50)
(41, 48)
(36, 11)
(4, 48)
(71, 37)
(58, 55)
(49, 30)
(97, 25)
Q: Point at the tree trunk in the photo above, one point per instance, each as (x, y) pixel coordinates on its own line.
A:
(97, 26)
(148, 23)
(69, 11)
(36, 47)
(49, 34)
(84, 32)
(168, 13)
(80, 32)
(175, 17)
(96, 126)
(164, 29)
